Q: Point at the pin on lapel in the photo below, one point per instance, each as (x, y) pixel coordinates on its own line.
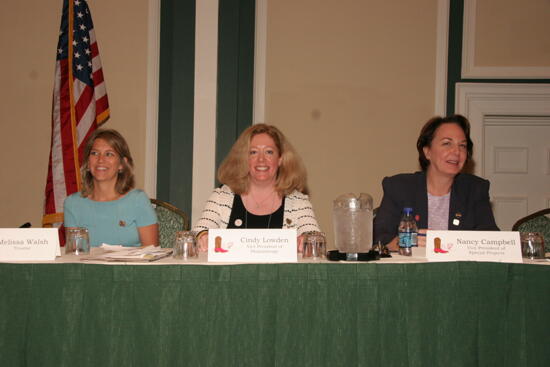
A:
(456, 220)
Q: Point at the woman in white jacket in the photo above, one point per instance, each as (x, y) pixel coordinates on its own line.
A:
(264, 186)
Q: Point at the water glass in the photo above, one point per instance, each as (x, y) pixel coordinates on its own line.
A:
(77, 241)
(185, 246)
(314, 246)
(532, 245)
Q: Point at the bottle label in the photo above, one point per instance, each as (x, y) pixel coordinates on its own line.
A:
(407, 239)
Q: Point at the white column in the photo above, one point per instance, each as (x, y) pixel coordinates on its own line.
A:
(206, 71)
(260, 46)
(152, 105)
(442, 50)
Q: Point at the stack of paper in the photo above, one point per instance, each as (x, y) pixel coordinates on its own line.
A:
(125, 254)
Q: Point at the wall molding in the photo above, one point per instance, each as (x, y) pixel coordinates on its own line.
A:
(502, 159)
(478, 100)
(260, 59)
(442, 51)
(152, 99)
(471, 71)
(204, 118)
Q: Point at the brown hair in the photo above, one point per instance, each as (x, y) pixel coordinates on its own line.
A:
(428, 131)
(291, 174)
(125, 180)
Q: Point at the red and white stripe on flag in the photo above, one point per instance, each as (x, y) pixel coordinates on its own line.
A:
(79, 105)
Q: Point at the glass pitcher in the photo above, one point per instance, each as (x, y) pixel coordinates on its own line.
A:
(352, 218)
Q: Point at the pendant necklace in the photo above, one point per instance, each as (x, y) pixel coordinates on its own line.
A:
(257, 206)
(259, 203)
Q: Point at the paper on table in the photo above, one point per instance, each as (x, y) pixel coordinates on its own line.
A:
(107, 247)
(149, 253)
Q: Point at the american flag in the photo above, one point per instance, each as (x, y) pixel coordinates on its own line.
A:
(79, 105)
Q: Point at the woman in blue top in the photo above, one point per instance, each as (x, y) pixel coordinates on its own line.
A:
(107, 205)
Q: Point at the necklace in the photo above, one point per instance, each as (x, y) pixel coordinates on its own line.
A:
(258, 205)
(261, 202)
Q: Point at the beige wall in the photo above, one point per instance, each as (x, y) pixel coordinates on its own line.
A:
(351, 83)
(512, 33)
(28, 36)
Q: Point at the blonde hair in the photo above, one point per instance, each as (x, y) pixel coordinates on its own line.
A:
(125, 179)
(291, 174)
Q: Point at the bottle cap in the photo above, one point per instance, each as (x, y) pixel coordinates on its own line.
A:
(407, 210)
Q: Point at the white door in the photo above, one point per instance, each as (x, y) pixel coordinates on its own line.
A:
(517, 162)
(510, 128)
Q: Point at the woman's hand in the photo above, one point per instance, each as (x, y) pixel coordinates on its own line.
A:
(393, 245)
(149, 235)
(300, 243)
(421, 238)
(202, 242)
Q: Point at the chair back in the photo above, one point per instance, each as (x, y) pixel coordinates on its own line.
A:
(49, 220)
(536, 222)
(171, 220)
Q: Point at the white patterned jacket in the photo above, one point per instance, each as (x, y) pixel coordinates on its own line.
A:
(298, 212)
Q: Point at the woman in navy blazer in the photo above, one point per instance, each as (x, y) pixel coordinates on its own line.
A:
(444, 146)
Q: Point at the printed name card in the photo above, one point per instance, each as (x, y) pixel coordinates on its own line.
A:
(29, 244)
(252, 245)
(490, 246)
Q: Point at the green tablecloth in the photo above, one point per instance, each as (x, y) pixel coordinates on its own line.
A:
(432, 314)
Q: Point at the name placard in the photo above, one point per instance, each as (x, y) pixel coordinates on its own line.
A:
(252, 245)
(29, 244)
(490, 246)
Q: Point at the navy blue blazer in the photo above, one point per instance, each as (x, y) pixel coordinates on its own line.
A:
(469, 208)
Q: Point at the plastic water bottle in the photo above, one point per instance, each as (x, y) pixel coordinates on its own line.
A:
(408, 232)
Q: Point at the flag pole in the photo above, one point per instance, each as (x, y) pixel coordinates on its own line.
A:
(71, 96)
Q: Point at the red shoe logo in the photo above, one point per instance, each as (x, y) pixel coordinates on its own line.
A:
(437, 246)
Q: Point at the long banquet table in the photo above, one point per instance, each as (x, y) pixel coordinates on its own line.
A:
(305, 314)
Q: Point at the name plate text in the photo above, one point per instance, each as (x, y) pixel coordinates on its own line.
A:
(490, 246)
(252, 245)
(29, 244)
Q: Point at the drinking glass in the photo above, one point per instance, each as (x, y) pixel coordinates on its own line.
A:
(77, 241)
(532, 245)
(185, 246)
(314, 246)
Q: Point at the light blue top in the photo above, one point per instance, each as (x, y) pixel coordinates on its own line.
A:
(112, 222)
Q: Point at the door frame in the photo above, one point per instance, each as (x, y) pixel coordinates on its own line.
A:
(477, 100)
